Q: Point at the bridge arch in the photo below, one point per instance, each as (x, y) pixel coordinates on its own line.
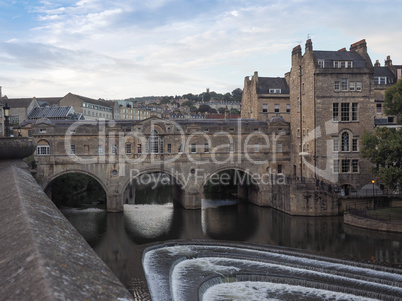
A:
(178, 183)
(47, 184)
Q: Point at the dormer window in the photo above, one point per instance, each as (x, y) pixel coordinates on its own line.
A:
(321, 63)
(275, 91)
(380, 80)
(343, 64)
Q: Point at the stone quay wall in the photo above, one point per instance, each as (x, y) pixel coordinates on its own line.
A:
(42, 256)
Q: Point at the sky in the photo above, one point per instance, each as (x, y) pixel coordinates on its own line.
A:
(131, 48)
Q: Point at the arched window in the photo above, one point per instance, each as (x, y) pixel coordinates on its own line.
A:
(345, 142)
(154, 142)
(43, 148)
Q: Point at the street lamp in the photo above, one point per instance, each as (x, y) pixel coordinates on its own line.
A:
(6, 109)
(19, 131)
(372, 181)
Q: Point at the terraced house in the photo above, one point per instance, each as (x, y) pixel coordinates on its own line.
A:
(330, 99)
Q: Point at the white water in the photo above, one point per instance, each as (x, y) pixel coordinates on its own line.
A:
(149, 220)
(267, 291)
(173, 273)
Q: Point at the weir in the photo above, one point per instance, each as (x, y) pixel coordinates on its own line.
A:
(223, 271)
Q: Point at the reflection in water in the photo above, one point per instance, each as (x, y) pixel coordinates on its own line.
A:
(113, 235)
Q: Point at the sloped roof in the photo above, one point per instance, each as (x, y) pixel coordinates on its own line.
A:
(99, 102)
(266, 83)
(19, 102)
(50, 112)
(329, 56)
(383, 71)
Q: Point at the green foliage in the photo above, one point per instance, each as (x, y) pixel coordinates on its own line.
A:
(384, 149)
(393, 100)
(237, 93)
(221, 110)
(165, 100)
(234, 111)
(204, 108)
(187, 103)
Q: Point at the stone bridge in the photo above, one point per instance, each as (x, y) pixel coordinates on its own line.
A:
(116, 153)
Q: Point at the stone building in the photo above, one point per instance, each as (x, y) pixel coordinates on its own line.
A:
(91, 108)
(330, 98)
(265, 97)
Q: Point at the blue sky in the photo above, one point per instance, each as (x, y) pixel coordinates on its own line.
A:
(128, 48)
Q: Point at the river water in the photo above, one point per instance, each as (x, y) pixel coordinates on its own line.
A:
(153, 218)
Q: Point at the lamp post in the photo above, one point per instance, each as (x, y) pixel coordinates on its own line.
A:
(372, 181)
(19, 131)
(6, 109)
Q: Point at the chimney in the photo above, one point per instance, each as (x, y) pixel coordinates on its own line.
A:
(296, 50)
(377, 63)
(226, 113)
(309, 45)
(360, 46)
(388, 61)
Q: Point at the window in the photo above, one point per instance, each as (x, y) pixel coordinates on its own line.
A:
(344, 111)
(100, 150)
(114, 149)
(256, 147)
(354, 111)
(336, 166)
(351, 86)
(128, 148)
(146, 146)
(180, 149)
(276, 108)
(279, 168)
(335, 111)
(335, 144)
(298, 104)
(161, 146)
(321, 63)
(336, 87)
(275, 91)
(139, 148)
(264, 108)
(358, 86)
(344, 84)
(379, 107)
(43, 150)
(355, 165)
(298, 132)
(280, 147)
(154, 142)
(169, 148)
(231, 147)
(354, 145)
(380, 80)
(206, 148)
(72, 150)
(193, 148)
(345, 165)
(345, 142)
(390, 119)
(288, 108)
(337, 64)
(42, 131)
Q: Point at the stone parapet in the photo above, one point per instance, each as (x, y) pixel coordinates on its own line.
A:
(42, 256)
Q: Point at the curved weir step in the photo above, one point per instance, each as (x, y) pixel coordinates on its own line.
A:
(206, 271)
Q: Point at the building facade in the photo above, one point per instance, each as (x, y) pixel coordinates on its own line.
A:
(332, 98)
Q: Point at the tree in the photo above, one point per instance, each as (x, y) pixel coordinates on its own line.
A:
(237, 93)
(221, 110)
(204, 108)
(384, 149)
(393, 101)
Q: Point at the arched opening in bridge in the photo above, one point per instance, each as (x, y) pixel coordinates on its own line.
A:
(152, 188)
(230, 186)
(77, 190)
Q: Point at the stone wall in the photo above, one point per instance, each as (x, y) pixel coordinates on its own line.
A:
(42, 256)
(373, 224)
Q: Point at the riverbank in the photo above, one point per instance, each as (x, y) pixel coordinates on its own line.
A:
(382, 219)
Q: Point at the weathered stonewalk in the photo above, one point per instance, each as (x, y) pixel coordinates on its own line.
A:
(42, 257)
